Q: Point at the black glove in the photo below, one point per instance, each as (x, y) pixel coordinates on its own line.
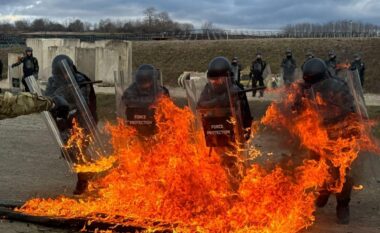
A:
(13, 65)
(61, 107)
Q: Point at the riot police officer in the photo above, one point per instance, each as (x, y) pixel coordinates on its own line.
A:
(338, 103)
(30, 66)
(58, 86)
(215, 93)
(257, 71)
(332, 63)
(220, 100)
(358, 64)
(139, 97)
(289, 66)
(236, 71)
(309, 55)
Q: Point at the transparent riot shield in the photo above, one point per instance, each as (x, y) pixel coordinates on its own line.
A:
(218, 110)
(193, 87)
(121, 84)
(334, 100)
(86, 144)
(50, 122)
(289, 75)
(270, 80)
(356, 90)
(138, 101)
(160, 78)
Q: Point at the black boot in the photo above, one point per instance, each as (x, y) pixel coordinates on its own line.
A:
(343, 201)
(343, 214)
(322, 199)
(82, 184)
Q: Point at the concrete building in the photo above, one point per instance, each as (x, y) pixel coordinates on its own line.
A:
(99, 60)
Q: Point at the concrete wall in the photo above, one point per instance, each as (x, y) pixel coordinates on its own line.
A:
(89, 45)
(71, 43)
(98, 60)
(107, 61)
(124, 49)
(86, 62)
(41, 52)
(16, 72)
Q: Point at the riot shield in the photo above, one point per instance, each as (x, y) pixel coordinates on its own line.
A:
(334, 100)
(138, 102)
(50, 122)
(120, 87)
(270, 80)
(193, 87)
(290, 76)
(78, 92)
(217, 110)
(356, 90)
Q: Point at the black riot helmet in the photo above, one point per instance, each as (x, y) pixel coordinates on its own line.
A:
(314, 70)
(357, 57)
(332, 54)
(27, 50)
(288, 52)
(58, 67)
(145, 77)
(309, 54)
(259, 56)
(234, 61)
(218, 73)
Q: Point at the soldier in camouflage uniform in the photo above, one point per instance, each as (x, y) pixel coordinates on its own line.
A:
(26, 103)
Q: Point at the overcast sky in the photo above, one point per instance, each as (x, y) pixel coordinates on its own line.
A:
(228, 14)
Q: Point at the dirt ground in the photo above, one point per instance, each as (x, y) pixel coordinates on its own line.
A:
(30, 166)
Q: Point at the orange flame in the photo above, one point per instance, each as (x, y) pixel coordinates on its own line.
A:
(172, 178)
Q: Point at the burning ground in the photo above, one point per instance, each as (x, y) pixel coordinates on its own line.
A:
(174, 180)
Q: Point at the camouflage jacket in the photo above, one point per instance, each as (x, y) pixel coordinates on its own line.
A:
(12, 105)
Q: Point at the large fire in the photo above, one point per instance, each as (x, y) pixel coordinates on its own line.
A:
(173, 178)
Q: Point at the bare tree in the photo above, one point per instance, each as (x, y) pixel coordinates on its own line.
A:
(22, 25)
(150, 15)
(207, 25)
(38, 25)
(76, 26)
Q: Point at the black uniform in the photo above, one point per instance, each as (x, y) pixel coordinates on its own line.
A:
(257, 72)
(309, 55)
(289, 66)
(332, 65)
(220, 100)
(30, 67)
(58, 86)
(338, 103)
(138, 100)
(357, 64)
(236, 71)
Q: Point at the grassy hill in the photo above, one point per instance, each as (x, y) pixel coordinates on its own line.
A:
(174, 57)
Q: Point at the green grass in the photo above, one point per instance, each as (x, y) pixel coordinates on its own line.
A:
(175, 57)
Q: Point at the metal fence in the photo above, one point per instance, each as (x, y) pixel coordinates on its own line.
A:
(8, 40)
